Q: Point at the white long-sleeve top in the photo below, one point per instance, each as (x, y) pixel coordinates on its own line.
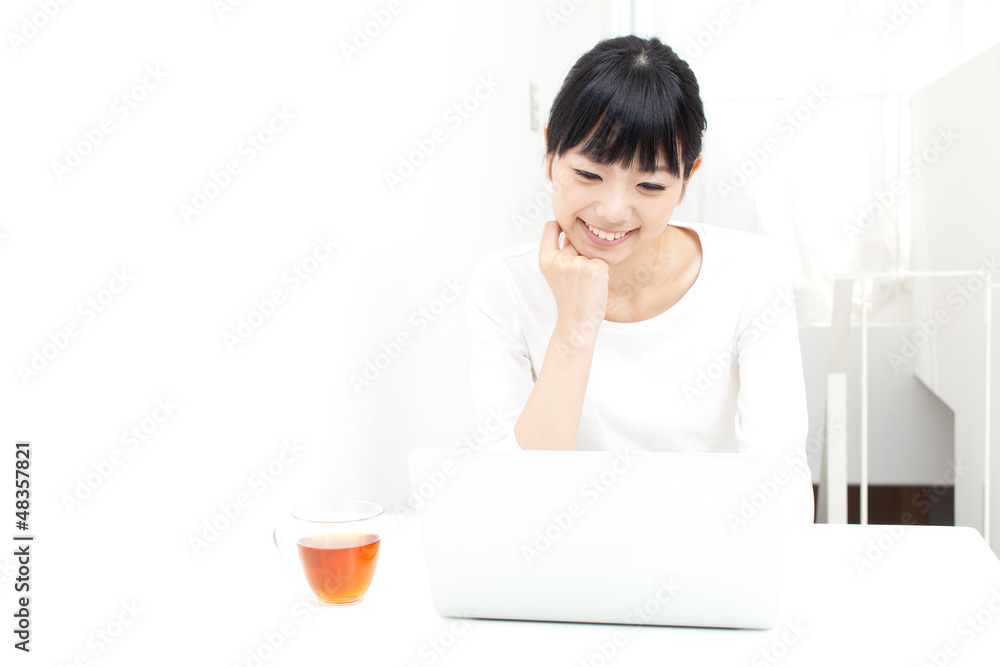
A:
(719, 371)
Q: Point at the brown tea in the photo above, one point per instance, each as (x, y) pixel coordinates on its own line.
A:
(339, 568)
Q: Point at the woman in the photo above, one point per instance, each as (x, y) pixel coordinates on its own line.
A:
(622, 328)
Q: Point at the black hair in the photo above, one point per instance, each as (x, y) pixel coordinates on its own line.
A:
(633, 98)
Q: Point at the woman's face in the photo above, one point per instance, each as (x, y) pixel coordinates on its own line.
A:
(629, 208)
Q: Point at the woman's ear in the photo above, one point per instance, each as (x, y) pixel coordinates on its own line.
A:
(694, 168)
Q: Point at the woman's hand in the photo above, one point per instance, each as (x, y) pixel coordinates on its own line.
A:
(579, 284)
(551, 416)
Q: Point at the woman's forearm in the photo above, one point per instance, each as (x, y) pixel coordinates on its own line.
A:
(551, 416)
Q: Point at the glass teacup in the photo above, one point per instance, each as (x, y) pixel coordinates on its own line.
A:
(337, 542)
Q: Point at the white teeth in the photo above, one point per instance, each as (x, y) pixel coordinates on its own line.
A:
(604, 235)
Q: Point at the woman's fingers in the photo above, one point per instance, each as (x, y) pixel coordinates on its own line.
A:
(579, 284)
(551, 234)
(549, 244)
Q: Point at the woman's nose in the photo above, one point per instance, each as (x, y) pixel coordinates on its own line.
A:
(614, 206)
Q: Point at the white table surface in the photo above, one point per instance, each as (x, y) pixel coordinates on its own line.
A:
(221, 607)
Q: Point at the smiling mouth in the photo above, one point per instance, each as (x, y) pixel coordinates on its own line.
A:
(602, 235)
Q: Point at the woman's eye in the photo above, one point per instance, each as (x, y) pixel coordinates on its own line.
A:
(652, 186)
(586, 174)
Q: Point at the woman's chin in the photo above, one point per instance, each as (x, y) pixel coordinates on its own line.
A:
(611, 258)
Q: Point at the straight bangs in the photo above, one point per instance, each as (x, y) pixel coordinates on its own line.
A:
(629, 125)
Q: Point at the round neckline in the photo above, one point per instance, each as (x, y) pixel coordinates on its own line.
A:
(682, 304)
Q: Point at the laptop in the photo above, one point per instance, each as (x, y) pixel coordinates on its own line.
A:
(601, 537)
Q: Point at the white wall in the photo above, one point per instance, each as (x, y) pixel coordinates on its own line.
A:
(192, 281)
(955, 227)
